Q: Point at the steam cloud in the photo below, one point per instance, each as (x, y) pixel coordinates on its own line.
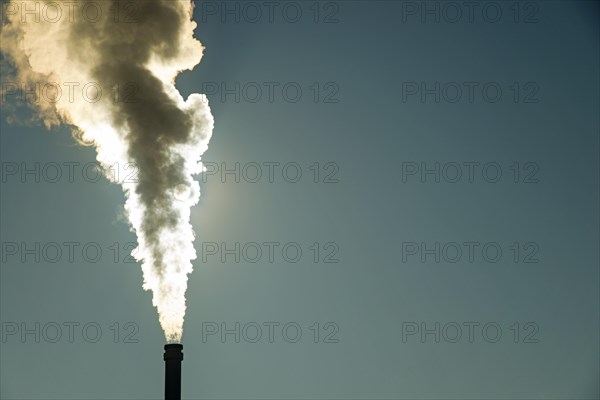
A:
(133, 55)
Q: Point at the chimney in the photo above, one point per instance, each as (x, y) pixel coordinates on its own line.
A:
(173, 357)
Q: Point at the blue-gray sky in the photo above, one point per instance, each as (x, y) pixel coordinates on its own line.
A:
(369, 123)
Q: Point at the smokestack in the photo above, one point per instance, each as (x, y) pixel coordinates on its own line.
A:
(173, 357)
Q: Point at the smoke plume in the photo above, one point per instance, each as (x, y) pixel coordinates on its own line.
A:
(120, 60)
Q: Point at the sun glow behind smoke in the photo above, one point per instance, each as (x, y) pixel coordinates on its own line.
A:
(155, 130)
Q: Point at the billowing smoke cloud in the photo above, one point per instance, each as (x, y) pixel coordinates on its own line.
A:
(121, 63)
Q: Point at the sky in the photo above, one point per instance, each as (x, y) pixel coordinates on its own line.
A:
(399, 203)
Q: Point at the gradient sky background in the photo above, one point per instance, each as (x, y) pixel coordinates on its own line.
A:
(371, 293)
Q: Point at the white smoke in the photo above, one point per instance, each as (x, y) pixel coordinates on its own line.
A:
(139, 119)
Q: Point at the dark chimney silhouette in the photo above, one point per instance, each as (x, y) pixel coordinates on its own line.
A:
(173, 357)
